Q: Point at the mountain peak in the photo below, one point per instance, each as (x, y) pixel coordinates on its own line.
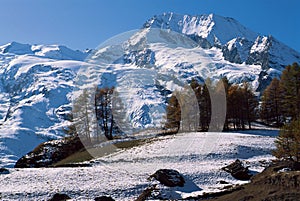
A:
(57, 52)
(16, 48)
(210, 27)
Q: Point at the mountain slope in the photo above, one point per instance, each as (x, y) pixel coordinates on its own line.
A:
(36, 85)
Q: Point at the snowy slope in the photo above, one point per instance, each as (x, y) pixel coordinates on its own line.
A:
(36, 85)
(123, 175)
(153, 63)
(145, 67)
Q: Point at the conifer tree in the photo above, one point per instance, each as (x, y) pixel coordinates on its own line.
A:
(205, 106)
(290, 90)
(250, 104)
(234, 106)
(288, 142)
(271, 104)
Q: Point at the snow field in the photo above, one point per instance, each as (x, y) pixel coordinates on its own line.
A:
(123, 175)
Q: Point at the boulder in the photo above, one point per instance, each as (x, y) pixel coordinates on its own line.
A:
(169, 177)
(59, 197)
(104, 198)
(4, 171)
(238, 171)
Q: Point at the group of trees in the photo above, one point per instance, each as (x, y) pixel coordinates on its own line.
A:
(281, 99)
(93, 115)
(280, 102)
(280, 106)
(241, 104)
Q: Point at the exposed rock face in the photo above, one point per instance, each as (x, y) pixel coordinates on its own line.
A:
(237, 50)
(231, 55)
(259, 53)
(203, 42)
(140, 58)
(264, 80)
(48, 153)
(169, 177)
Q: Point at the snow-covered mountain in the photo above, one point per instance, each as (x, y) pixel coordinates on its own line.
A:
(238, 43)
(36, 81)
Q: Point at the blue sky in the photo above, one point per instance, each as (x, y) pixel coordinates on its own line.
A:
(87, 23)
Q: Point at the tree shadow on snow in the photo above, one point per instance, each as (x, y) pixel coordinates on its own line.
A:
(259, 132)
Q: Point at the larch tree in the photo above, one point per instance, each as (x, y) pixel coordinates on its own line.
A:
(290, 90)
(270, 111)
(103, 108)
(173, 116)
(249, 104)
(242, 106)
(83, 116)
(205, 105)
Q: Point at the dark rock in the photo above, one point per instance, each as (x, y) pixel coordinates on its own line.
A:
(237, 50)
(223, 182)
(49, 153)
(4, 171)
(261, 57)
(141, 58)
(104, 198)
(169, 177)
(264, 79)
(231, 55)
(202, 42)
(238, 171)
(59, 197)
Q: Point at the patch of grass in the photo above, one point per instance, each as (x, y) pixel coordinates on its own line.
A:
(87, 154)
(78, 157)
(130, 144)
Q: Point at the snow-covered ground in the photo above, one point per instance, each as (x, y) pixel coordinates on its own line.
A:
(123, 175)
